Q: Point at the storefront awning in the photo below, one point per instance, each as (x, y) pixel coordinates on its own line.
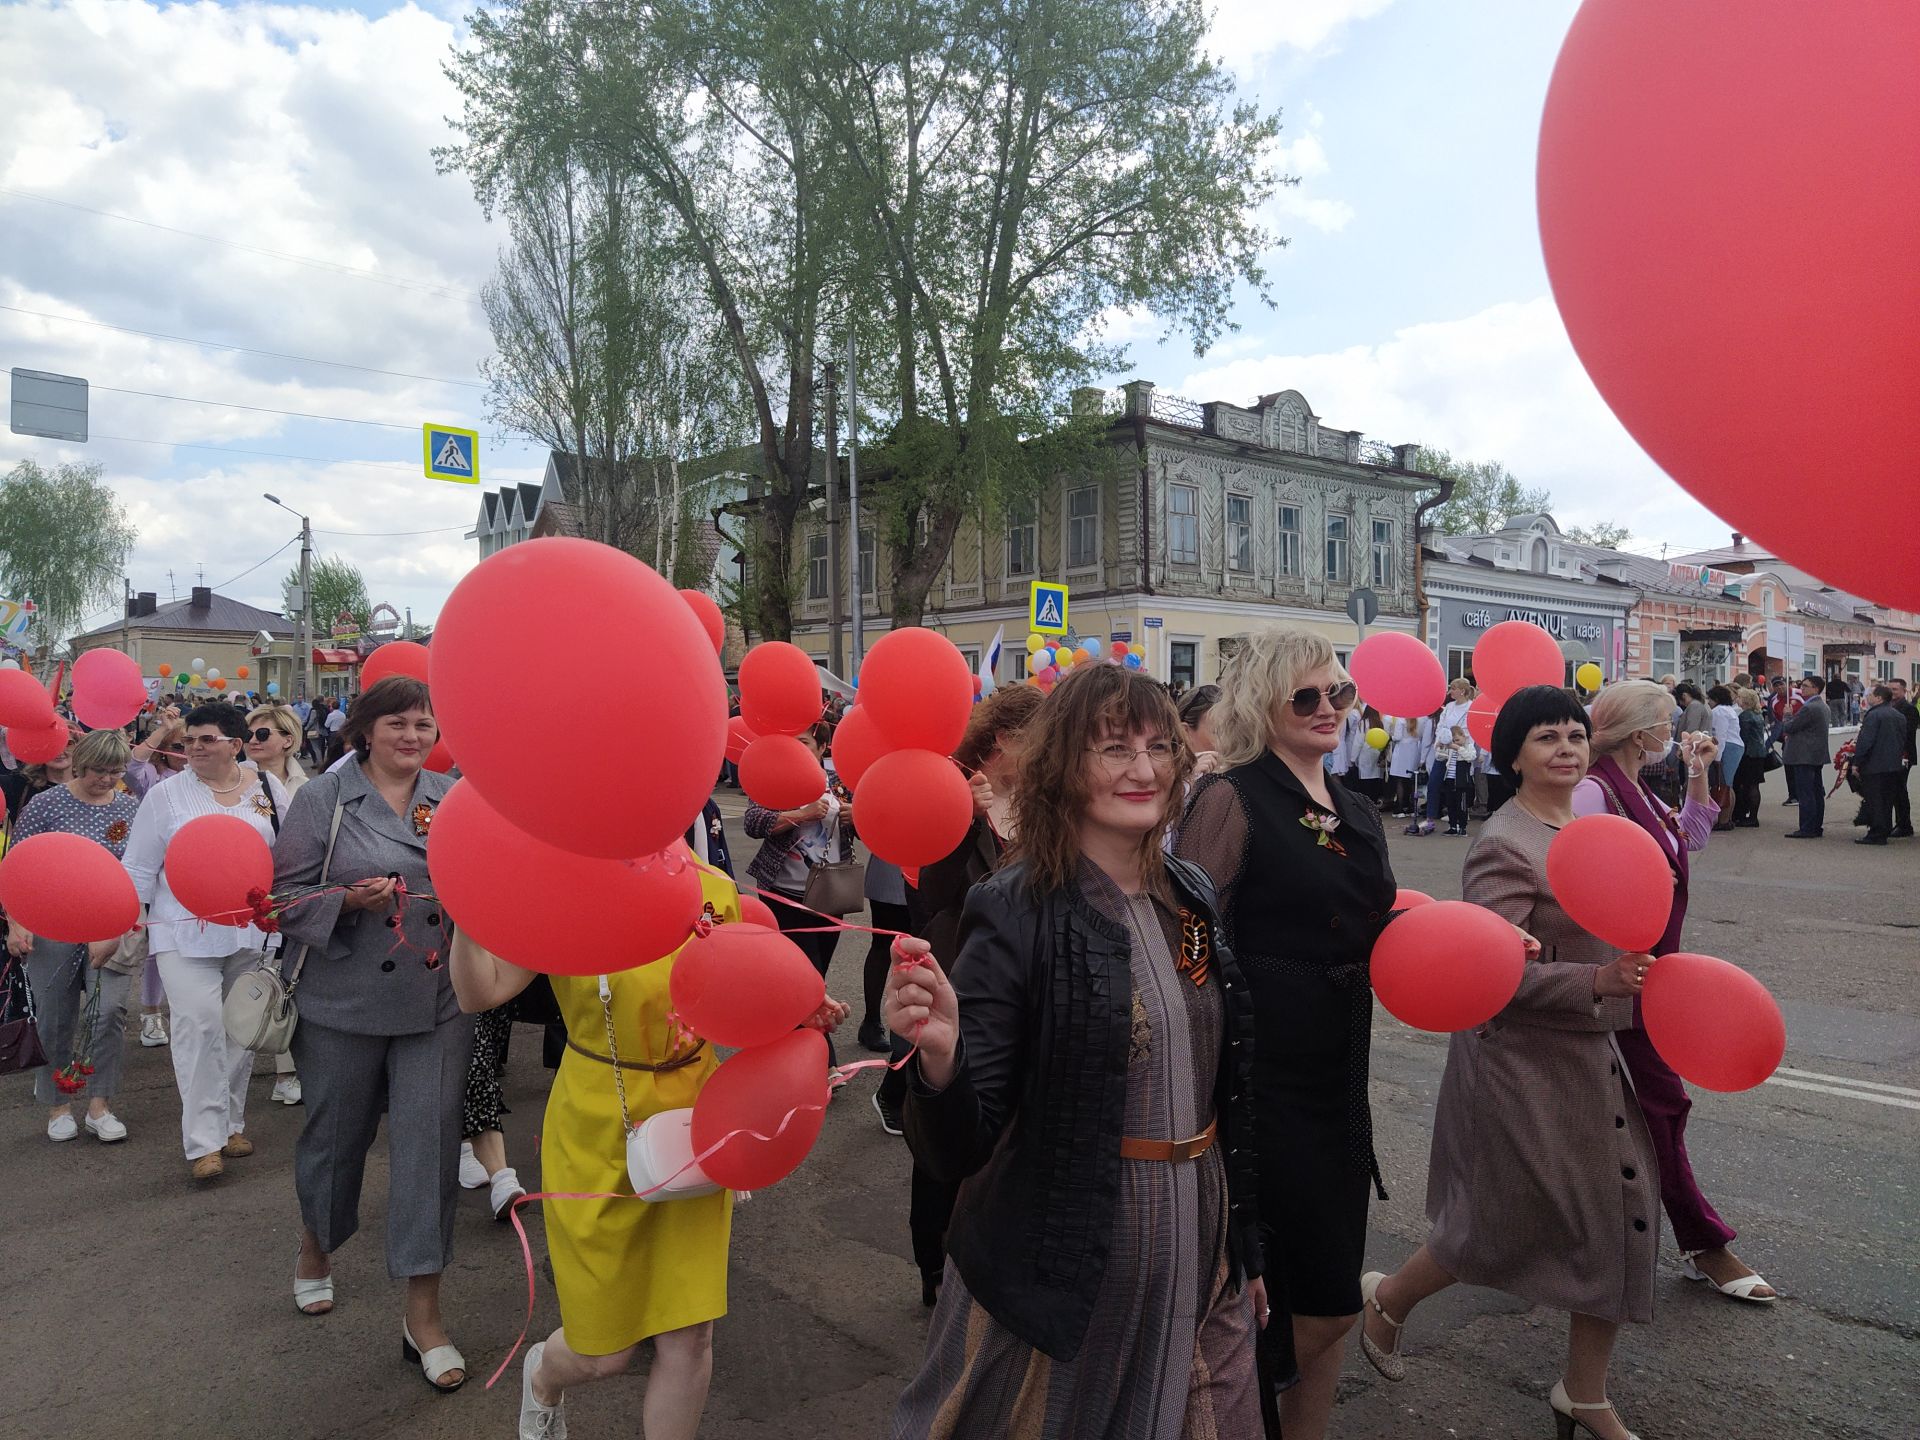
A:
(1841, 648)
(1730, 636)
(335, 657)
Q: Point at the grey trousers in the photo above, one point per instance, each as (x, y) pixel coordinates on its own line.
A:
(62, 980)
(420, 1080)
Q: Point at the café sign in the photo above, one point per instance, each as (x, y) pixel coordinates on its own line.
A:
(1561, 627)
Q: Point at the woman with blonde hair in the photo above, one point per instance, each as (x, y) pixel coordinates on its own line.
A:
(1632, 729)
(273, 738)
(1753, 759)
(1321, 888)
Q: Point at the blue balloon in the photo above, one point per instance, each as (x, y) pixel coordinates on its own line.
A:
(273, 687)
(1091, 646)
(1134, 662)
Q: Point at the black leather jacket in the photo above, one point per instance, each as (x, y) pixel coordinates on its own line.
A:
(1032, 1120)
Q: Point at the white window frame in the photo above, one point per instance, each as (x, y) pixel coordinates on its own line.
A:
(869, 562)
(1656, 667)
(1382, 553)
(1023, 537)
(1343, 573)
(1289, 558)
(1244, 539)
(1883, 672)
(819, 565)
(1070, 520)
(1188, 553)
(1199, 657)
(1459, 661)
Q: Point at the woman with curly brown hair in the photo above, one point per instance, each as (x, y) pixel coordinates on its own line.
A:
(1084, 1076)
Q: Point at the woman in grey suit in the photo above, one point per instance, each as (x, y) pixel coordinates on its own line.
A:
(379, 1023)
(1543, 1181)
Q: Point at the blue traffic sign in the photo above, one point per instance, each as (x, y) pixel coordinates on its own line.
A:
(451, 453)
(1047, 609)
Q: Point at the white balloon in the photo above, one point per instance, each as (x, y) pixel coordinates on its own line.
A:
(198, 663)
(9, 664)
(213, 674)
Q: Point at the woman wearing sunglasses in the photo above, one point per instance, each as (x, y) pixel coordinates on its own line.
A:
(1319, 889)
(273, 735)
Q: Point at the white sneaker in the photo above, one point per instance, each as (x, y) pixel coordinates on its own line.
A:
(286, 1090)
(153, 1031)
(537, 1421)
(62, 1127)
(506, 1189)
(472, 1173)
(106, 1127)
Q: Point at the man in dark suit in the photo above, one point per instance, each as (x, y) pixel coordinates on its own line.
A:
(1878, 756)
(1807, 754)
(1902, 801)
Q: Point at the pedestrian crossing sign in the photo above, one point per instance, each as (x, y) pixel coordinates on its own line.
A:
(1047, 609)
(451, 453)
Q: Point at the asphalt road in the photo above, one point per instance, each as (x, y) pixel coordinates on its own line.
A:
(133, 1304)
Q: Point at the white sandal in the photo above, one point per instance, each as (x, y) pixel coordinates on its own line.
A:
(1387, 1362)
(1741, 1289)
(435, 1363)
(312, 1292)
(1565, 1418)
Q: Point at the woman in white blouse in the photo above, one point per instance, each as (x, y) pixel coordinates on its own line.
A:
(198, 959)
(1450, 780)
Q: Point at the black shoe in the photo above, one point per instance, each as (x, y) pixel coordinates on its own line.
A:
(873, 1036)
(1905, 832)
(889, 1116)
(1804, 834)
(1870, 840)
(930, 1291)
(1456, 829)
(1746, 824)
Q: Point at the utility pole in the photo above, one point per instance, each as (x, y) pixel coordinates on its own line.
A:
(306, 607)
(858, 610)
(836, 654)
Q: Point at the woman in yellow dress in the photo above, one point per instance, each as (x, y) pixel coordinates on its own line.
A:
(626, 1270)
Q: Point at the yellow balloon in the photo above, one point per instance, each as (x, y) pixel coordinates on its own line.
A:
(1036, 642)
(1064, 657)
(1589, 676)
(1377, 738)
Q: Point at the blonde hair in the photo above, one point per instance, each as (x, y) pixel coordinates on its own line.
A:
(1746, 699)
(1626, 707)
(101, 750)
(1268, 669)
(278, 716)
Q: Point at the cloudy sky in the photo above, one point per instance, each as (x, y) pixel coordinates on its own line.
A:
(258, 175)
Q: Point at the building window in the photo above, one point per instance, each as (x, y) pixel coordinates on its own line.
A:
(1537, 557)
(1883, 671)
(1183, 525)
(1288, 551)
(1338, 544)
(866, 562)
(1239, 532)
(1183, 662)
(1383, 554)
(1083, 528)
(818, 565)
(1663, 655)
(1459, 662)
(1022, 543)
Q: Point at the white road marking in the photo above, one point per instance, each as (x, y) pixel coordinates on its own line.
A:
(1799, 1074)
(1847, 1094)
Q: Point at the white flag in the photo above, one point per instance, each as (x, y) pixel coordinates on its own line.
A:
(990, 661)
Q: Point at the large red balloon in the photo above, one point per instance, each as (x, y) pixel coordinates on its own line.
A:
(396, 657)
(24, 702)
(1513, 655)
(1397, 675)
(857, 743)
(760, 1090)
(440, 761)
(211, 864)
(780, 772)
(779, 689)
(40, 743)
(755, 911)
(1728, 200)
(744, 985)
(715, 624)
(1612, 879)
(108, 689)
(1480, 717)
(1712, 1022)
(919, 690)
(1447, 966)
(739, 736)
(543, 908)
(584, 609)
(913, 807)
(67, 888)
(1405, 899)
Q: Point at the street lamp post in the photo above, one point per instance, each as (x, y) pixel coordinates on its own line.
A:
(306, 595)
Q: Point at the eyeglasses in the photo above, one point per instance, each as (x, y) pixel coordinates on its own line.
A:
(266, 733)
(1118, 756)
(192, 740)
(107, 774)
(1307, 699)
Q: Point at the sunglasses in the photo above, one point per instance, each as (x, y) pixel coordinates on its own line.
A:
(1307, 699)
(266, 733)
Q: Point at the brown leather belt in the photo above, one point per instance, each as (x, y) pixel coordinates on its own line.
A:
(1169, 1149)
(676, 1063)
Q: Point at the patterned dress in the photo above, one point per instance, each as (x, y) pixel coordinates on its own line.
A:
(1169, 1353)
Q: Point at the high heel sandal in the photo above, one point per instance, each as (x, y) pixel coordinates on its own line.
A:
(435, 1363)
(1565, 1420)
(1387, 1362)
(1740, 1289)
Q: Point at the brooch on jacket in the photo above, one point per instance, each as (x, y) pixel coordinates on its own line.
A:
(1323, 826)
(262, 806)
(1196, 948)
(116, 832)
(422, 818)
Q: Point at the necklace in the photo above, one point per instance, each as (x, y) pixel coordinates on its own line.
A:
(226, 789)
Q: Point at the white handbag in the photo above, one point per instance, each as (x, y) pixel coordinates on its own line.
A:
(660, 1155)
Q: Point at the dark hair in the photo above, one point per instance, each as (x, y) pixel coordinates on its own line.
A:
(1688, 689)
(1720, 695)
(1883, 692)
(230, 722)
(1003, 713)
(1195, 704)
(1535, 705)
(394, 695)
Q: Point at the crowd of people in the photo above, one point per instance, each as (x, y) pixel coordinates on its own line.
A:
(1128, 1021)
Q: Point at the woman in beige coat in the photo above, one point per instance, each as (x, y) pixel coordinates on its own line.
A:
(1542, 1181)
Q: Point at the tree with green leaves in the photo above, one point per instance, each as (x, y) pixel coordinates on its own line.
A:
(64, 540)
(1602, 533)
(338, 588)
(1486, 495)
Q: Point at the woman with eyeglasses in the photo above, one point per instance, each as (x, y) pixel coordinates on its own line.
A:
(1083, 1078)
(64, 978)
(1300, 863)
(273, 737)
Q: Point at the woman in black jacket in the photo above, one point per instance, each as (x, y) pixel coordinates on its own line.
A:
(1085, 1075)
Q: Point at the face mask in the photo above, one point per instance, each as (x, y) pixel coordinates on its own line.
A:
(1654, 757)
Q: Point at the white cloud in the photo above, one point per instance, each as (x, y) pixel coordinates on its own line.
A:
(1246, 32)
(1503, 384)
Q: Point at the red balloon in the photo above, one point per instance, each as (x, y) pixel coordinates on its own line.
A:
(703, 606)
(440, 761)
(1405, 899)
(67, 888)
(562, 913)
(40, 743)
(755, 911)
(396, 657)
(739, 736)
(779, 772)
(1612, 879)
(744, 985)
(1397, 675)
(779, 689)
(108, 689)
(1731, 248)
(1513, 655)
(1712, 1022)
(913, 807)
(857, 743)
(1480, 717)
(760, 1090)
(212, 862)
(24, 702)
(919, 690)
(584, 609)
(1447, 966)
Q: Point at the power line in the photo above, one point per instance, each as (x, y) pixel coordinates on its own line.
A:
(244, 349)
(264, 454)
(255, 566)
(257, 409)
(390, 534)
(423, 286)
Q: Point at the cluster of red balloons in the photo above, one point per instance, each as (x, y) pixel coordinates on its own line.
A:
(35, 734)
(911, 803)
(779, 700)
(1509, 657)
